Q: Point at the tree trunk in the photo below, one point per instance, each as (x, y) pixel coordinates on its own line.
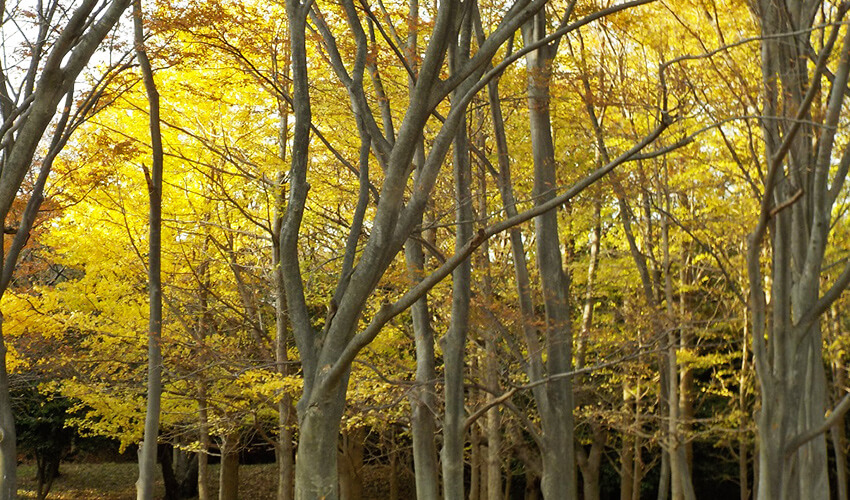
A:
(285, 459)
(558, 453)
(838, 431)
(627, 459)
(204, 452)
(179, 472)
(475, 465)
(590, 463)
(54, 73)
(394, 469)
(148, 448)
(787, 347)
(743, 452)
(186, 473)
(8, 455)
(316, 462)
(283, 447)
(680, 475)
(166, 464)
(326, 356)
(423, 402)
(454, 346)
(228, 478)
(423, 395)
(351, 465)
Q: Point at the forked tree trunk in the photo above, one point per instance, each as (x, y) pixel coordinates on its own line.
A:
(556, 414)
(54, 72)
(326, 356)
(800, 188)
(590, 463)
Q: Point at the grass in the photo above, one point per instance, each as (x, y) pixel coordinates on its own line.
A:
(116, 481)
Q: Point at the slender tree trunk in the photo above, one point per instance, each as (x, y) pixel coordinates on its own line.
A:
(491, 461)
(682, 488)
(627, 458)
(285, 462)
(838, 432)
(422, 398)
(147, 452)
(839, 445)
(493, 431)
(393, 468)
(558, 454)
(8, 455)
(475, 464)
(743, 451)
(638, 471)
(204, 453)
(423, 404)
(203, 325)
(455, 340)
(351, 465)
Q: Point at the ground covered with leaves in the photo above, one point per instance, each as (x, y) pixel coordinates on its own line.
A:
(116, 481)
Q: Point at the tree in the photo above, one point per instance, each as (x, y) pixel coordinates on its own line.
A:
(30, 99)
(805, 171)
(327, 355)
(150, 440)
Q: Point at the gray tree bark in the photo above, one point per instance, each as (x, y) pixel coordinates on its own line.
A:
(798, 196)
(454, 345)
(326, 356)
(148, 448)
(423, 400)
(51, 76)
(558, 453)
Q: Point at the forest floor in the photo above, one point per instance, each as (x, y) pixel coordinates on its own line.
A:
(116, 481)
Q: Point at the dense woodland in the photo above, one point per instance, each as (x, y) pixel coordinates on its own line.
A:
(490, 249)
